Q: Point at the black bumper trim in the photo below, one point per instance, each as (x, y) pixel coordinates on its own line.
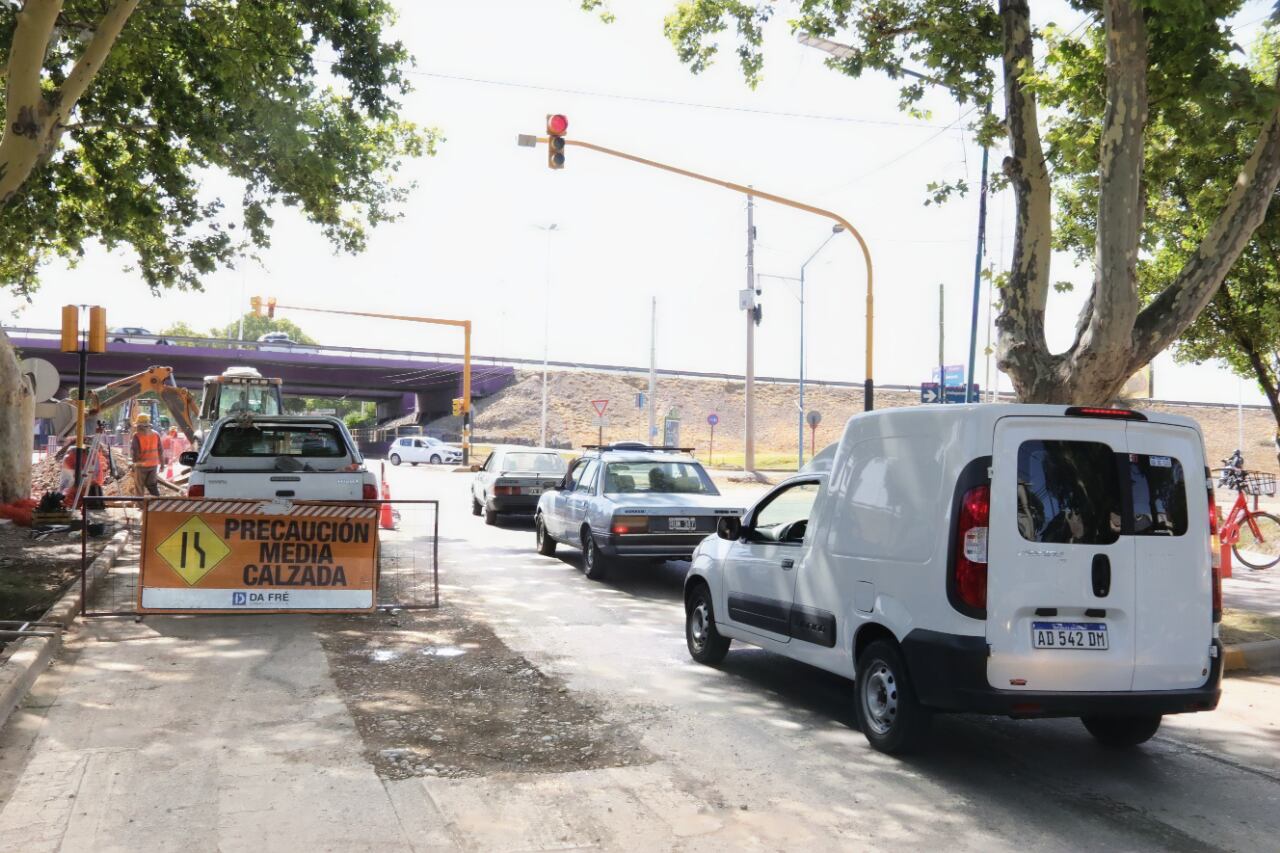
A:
(949, 672)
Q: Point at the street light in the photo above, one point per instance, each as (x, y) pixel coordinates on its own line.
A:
(835, 229)
(546, 324)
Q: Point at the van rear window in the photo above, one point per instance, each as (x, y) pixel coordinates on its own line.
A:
(1084, 493)
(1069, 492)
(1159, 495)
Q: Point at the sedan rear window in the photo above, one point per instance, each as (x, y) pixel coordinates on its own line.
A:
(533, 463)
(1069, 492)
(686, 478)
(309, 442)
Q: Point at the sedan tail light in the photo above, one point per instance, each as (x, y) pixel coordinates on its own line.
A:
(625, 524)
(506, 490)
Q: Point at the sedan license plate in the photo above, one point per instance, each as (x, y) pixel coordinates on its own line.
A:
(531, 490)
(682, 524)
(1087, 636)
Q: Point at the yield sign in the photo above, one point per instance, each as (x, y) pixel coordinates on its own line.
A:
(600, 406)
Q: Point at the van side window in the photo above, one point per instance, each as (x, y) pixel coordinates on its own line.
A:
(1159, 495)
(1069, 492)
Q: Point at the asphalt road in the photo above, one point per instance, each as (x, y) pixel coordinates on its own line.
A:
(777, 738)
(235, 733)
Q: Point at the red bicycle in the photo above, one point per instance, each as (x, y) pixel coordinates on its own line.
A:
(1254, 536)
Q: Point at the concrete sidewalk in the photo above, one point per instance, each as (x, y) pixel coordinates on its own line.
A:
(1255, 591)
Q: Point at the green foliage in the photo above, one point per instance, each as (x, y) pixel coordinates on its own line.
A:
(296, 100)
(952, 42)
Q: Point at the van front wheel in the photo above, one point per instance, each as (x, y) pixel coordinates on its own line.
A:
(889, 715)
(1122, 732)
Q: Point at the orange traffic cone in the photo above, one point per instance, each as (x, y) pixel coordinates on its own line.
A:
(385, 519)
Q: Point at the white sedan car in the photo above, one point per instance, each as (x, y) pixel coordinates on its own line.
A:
(423, 448)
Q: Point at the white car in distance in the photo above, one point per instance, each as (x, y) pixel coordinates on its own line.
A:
(416, 449)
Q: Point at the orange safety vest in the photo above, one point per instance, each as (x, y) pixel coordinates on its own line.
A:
(148, 450)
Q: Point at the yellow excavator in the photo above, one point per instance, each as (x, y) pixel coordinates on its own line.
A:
(154, 380)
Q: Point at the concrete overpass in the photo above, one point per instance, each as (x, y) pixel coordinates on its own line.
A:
(398, 381)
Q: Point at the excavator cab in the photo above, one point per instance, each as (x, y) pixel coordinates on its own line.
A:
(240, 390)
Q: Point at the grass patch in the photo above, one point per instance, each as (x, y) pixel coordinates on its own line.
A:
(1239, 626)
(764, 461)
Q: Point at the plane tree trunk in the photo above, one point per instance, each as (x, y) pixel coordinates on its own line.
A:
(1115, 337)
(17, 421)
(34, 121)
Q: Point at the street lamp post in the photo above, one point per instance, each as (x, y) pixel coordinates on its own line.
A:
(546, 326)
(835, 229)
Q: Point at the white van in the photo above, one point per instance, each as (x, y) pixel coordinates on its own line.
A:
(1023, 560)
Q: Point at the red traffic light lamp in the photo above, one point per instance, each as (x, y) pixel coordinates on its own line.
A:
(557, 126)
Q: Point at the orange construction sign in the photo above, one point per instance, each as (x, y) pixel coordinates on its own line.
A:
(211, 556)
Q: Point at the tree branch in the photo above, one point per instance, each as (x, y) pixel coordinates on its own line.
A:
(1169, 314)
(95, 54)
(1023, 351)
(35, 22)
(1104, 333)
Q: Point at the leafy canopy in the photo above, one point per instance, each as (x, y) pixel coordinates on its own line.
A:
(295, 100)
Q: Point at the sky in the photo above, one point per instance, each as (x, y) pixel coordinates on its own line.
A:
(473, 241)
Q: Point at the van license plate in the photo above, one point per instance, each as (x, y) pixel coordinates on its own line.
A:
(1089, 636)
(682, 524)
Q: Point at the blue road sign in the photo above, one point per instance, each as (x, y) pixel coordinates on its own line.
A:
(954, 375)
(713, 419)
(954, 393)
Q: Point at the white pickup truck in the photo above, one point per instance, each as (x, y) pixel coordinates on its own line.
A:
(296, 458)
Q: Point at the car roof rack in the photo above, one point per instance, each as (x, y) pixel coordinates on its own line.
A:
(639, 446)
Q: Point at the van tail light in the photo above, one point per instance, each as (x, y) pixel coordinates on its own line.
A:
(625, 524)
(970, 565)
(195, 491)
(1215, 556)
(369, 492)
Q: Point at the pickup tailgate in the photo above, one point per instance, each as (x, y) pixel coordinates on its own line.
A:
(309, 485)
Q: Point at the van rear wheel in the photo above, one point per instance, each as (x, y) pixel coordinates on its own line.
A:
(1122, 732)
(889, 715)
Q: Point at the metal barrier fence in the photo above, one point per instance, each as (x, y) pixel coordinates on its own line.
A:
(407, 568)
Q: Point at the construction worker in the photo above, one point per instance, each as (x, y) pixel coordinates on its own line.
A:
(94, 470)
(147, 455)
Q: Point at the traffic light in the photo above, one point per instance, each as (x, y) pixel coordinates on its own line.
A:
(97, 328)
(271, 307)
(557, 126)
(457, 406)
(255, 303)
(70, 328)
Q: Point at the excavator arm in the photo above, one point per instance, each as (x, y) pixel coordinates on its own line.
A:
(154, 380)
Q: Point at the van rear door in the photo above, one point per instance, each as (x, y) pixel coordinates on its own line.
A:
(1171, 541)
(1061, 580)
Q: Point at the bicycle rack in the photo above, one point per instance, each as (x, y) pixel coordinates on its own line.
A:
(32, 628)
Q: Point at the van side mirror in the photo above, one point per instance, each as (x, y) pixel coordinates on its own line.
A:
(729, 527)
(188, 458)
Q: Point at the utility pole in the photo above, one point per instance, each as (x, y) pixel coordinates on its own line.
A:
(749, 449)
(977, 271)
(546, 326)
(653, 372)
(942, 364)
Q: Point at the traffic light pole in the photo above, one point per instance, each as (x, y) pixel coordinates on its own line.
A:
(465, 325)
(868, 391)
